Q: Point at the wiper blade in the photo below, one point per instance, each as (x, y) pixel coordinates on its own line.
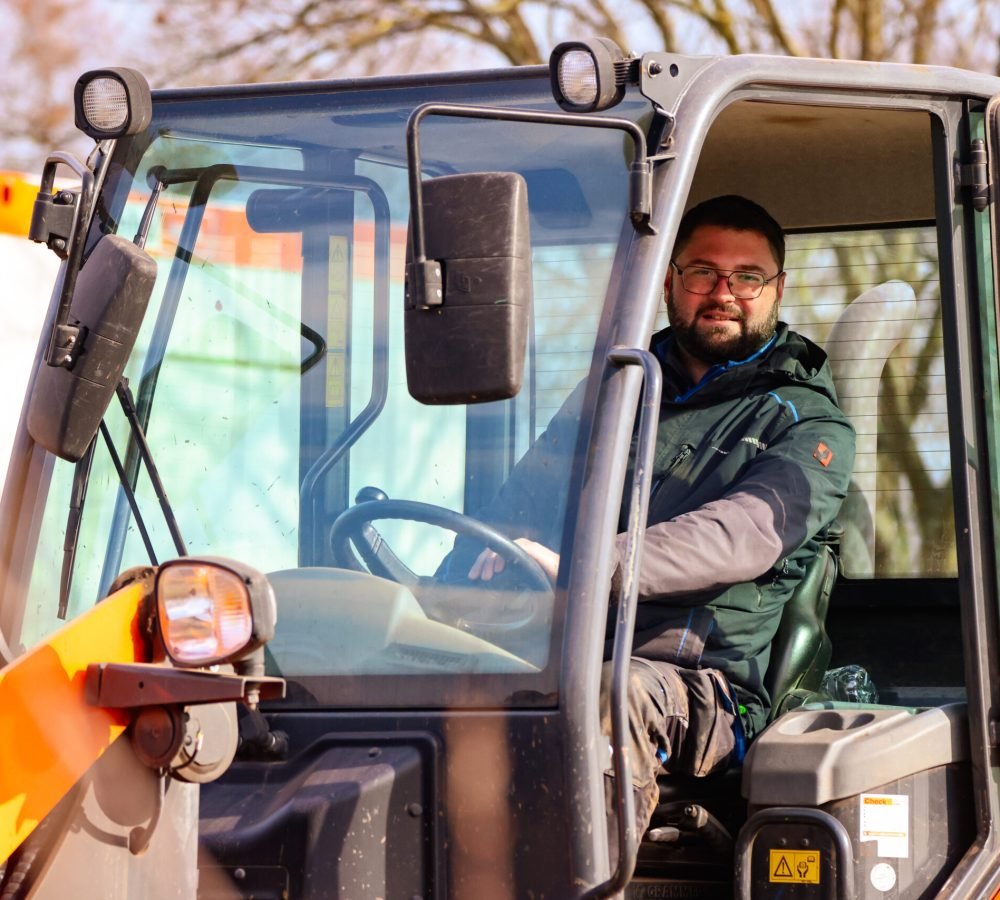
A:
(77, 497)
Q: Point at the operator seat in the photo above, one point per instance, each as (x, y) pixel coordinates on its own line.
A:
(801, 649)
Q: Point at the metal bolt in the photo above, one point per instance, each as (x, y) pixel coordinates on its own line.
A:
(805, 842)
(782, 842)
(654, 69)
(58, 244)
(239, 874)
(374, 751)
(415, 809)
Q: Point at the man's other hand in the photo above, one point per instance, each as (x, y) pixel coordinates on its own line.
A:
(490, 563)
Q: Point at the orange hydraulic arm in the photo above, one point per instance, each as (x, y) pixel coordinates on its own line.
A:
(49, 735)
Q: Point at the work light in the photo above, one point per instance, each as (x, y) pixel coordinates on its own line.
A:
(588, 76)
(110, 103)
(211, 610)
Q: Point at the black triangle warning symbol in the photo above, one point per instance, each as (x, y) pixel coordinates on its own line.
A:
(782, 869)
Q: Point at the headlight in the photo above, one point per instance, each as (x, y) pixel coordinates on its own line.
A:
(212, 610)
(110, 103)
(587, 76)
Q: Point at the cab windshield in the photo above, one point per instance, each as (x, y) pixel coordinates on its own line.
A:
(270, 378)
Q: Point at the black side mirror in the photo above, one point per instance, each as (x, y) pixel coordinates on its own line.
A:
(69, 400)
(469, 294)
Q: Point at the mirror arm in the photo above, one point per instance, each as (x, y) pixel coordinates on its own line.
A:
(423, 275)
(640, 191)
(51, 215)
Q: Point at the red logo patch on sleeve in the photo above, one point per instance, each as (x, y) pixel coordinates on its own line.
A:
(823, 454)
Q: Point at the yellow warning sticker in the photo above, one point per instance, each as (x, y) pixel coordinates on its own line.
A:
(794, 866)
(336, 380)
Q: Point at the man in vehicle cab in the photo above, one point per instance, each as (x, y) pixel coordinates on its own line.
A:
(753, 459)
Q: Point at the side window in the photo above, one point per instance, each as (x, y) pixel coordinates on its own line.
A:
(872, 300)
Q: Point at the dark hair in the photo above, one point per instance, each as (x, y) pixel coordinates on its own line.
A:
(732, 211)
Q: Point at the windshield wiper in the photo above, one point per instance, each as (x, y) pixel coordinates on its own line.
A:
(128, 407)
(78, 496)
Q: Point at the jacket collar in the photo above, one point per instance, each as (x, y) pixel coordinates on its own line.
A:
(678, 385)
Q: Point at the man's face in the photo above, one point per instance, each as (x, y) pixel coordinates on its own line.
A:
(717, 327)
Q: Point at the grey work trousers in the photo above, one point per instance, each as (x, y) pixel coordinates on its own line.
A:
(680, 721)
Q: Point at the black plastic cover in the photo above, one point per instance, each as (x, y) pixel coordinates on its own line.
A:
(348, 816)
(109, 302)
(470, 347)
(289, 210)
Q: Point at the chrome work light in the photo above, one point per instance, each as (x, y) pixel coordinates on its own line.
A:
(588, 76)
(110, 103)
(212, 610)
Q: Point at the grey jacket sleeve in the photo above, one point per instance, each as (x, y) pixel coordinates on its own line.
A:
(784, 496)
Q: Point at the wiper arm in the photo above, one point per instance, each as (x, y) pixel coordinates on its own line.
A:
(128, 407)
(78, 496)
(129, 493)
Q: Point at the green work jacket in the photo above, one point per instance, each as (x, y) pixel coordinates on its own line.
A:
(752, 464)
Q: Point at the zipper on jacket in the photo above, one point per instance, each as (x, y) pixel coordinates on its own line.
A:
(681, 455)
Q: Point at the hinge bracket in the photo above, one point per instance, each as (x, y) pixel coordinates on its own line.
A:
(53, 220)
(973, 175)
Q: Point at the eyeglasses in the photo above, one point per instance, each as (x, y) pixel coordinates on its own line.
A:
(742, 285)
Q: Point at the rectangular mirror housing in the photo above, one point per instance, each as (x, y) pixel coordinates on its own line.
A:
(468, 302)
(109, 301)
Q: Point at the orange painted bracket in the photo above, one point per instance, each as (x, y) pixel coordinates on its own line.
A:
(49, 735)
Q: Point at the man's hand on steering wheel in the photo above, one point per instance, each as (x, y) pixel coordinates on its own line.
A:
(490, 563)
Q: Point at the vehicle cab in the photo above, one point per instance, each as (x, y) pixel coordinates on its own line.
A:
(333, 388)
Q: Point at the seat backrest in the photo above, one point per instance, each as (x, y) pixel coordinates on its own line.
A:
(801, 649)
(859, 343)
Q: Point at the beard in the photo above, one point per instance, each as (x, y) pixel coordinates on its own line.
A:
(716, 345)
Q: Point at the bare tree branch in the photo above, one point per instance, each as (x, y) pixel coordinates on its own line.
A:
(833, 46)
(765, 9)
(870, 23)
(254, 40)
(663, 24)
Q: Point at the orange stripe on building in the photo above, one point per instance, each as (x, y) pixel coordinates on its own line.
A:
(49, 735)
(17, 200)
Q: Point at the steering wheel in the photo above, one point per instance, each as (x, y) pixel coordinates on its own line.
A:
(353, 526)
